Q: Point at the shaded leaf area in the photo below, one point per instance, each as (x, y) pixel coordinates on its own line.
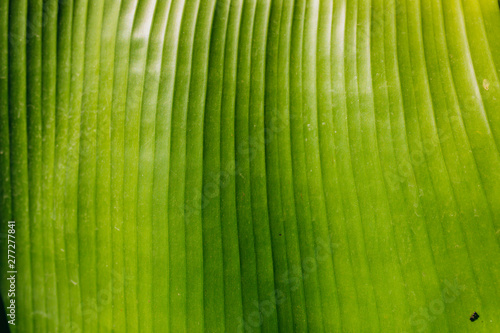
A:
(251, 165)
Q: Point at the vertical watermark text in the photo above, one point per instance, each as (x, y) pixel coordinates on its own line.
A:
(11, 272)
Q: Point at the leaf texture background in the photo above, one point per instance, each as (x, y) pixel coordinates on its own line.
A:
(251, 165)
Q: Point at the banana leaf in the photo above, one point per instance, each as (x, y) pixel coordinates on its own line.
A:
(250, 165)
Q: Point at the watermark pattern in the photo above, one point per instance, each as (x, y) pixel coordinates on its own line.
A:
(295, 275)
(292, 278)
(219, 180)
(429, 147)
(11, 272)
(49, 13)
(104, 298)
(420, 320)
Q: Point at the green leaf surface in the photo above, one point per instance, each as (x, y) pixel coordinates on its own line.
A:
(250, 165)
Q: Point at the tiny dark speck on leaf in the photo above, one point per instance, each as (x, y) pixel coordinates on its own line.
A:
(280, 234)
